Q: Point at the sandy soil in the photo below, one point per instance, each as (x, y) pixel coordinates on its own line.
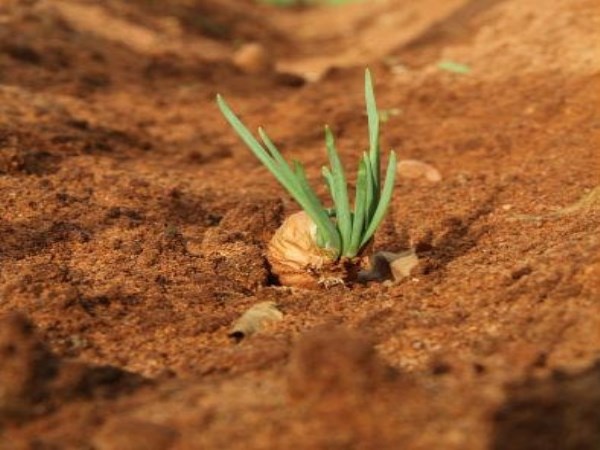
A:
(133, 225)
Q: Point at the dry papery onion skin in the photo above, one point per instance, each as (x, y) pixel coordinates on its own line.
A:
(298, 261)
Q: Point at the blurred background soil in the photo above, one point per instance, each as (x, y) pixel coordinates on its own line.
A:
(133, 225)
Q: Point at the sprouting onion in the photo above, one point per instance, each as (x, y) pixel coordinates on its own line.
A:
(341, 229)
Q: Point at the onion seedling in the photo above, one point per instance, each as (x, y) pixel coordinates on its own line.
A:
(329, 237)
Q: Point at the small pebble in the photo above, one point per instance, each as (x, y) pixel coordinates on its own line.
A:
(253, 59)
(411, 169)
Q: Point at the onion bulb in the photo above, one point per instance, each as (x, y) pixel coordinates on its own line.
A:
(298, 261)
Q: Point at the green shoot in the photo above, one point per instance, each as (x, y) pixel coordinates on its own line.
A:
(342, 230)
(373, 121)
(273, 160)
(340, 191)
(454, 67)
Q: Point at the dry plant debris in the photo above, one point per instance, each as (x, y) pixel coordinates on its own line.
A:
(391, 266)
(587, 202)
(255, 319)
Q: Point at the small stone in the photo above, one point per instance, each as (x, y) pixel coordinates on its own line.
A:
(412, 169)
(128, 434)
(253, 59)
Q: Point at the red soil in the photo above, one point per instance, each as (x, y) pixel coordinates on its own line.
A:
(133, 225)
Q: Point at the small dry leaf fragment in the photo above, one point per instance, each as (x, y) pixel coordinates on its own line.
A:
(412, 169)
(587, 202)
(390, 266)
(402, 264)
(253, 59)
(255, 319)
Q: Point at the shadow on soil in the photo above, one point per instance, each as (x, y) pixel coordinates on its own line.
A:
(459, 238)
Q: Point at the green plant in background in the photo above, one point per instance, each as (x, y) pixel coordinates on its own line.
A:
(454, 67)
(341, 228)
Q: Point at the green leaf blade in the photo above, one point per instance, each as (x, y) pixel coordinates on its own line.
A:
(384, 200)
(275, 154)
(340, 191)
(373, 123)
(341, 228)
(360, 206)
(370, 191)
(283, 173)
